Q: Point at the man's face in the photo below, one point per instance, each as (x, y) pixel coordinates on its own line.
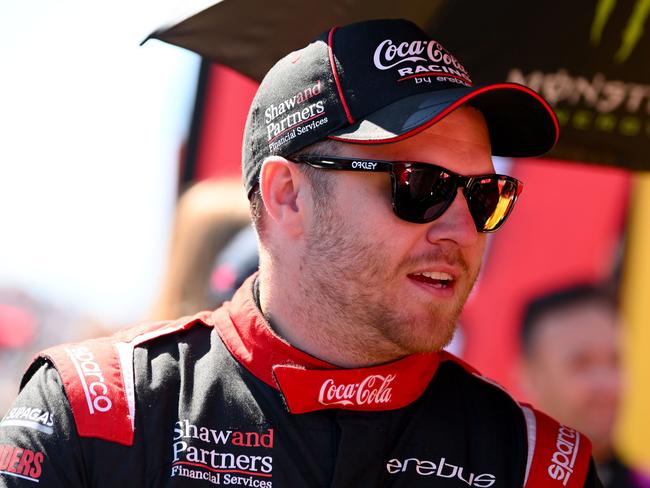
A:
(374, 277)
(573, 368)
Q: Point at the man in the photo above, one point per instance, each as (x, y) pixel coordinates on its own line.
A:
(570, 344)
(367, 161)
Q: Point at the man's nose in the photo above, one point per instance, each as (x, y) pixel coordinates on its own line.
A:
(455, 224)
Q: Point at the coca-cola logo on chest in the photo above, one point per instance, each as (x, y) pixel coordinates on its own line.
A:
(373, 390)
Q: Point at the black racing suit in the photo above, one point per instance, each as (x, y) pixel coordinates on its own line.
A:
(219, 400)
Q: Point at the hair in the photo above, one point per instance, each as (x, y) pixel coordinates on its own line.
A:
(561, 299)
(319, 180)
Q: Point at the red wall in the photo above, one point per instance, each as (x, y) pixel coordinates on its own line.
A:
(228, 96)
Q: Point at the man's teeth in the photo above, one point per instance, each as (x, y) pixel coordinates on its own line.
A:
(436, 275)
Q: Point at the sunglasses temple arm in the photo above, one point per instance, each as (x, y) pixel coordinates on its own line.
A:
(347, 164)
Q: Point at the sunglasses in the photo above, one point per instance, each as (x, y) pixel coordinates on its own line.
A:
(422, 192)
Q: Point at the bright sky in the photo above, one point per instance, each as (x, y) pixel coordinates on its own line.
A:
(90, 129)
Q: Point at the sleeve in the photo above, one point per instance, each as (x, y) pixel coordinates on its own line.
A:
(558, 455)
(38, 437)
(592, 480)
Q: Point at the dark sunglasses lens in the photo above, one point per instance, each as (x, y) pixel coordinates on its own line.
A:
(490, 200)
(421, 193)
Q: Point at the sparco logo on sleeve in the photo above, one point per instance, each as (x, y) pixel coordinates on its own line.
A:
(91, 378)
(374, 389)
(564, 457)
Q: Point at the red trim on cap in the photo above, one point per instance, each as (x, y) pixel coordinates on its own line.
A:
(435, 73)
(330, 51)
(454, 106)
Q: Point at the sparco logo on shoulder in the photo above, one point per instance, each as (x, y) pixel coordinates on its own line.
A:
(374, 389)
(564, 457)
(91, 378)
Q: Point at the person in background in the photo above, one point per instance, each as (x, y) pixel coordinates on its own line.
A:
(571, 369)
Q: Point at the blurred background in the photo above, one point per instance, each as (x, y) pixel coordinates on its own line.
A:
(120, 198)
(92, 128)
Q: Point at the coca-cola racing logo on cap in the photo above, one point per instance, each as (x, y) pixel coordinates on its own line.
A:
(420, 61)
(373, 390)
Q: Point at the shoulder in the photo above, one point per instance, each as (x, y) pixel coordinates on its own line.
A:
(486, 394)
(98, 374)
(557, 455)
(37, 436)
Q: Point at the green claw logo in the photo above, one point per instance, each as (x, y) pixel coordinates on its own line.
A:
(633, 30)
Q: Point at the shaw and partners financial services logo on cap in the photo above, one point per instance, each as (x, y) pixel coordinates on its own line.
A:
(294, 116)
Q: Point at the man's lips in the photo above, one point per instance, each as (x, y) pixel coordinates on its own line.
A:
(435, 279)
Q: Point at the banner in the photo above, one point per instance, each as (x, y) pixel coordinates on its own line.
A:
(588, 58)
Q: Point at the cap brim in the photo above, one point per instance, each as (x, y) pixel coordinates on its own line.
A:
(520, 122)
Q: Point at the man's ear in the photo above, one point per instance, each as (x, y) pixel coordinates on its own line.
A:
(281, 186)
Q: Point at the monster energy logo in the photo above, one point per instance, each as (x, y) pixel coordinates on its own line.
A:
(599, 104)
(633, 30)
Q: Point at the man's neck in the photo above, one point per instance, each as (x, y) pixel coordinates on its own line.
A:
(306, 327)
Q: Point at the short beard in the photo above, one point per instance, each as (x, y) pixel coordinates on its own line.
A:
(345, 312)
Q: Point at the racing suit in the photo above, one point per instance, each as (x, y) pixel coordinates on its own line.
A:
(219, 400)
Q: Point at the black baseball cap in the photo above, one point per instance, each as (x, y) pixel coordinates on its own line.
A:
(381, 81)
